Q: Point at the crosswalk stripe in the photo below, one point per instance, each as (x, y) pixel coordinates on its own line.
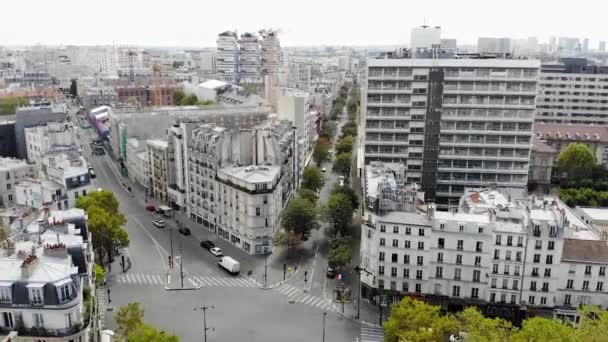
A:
(214, 281)
(317, 302)
(305, 299)
(137, 279)
(298, 297)
(159, 279)
(206, 282)
(292, 291)
(241, 282)
(308, 300)
(233, 282)
(129, 280)
(149, 277)
(221, 281)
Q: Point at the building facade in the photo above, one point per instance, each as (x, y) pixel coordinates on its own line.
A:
(53, 136)
(12, 171)
(559, 135)
(250, 60)
(42, 305)
(158, 161)
(573, 90)
(70, 171)
(31, 116)
(226, 61)
(506, 256)
(240, 181)
(479, 112)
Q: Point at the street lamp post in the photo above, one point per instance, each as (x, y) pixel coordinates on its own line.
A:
(181, 263)
(324, 314)
(205, 329)
(171, 243)
(358, 269)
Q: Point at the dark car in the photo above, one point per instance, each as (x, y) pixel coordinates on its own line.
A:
(184, 231)
(207, 244)
(331, 272)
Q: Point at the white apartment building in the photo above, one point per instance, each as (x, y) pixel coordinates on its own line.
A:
(250, 59)
(44, 271)
(240, 181)
(479, 112)
(226, 61)
(506, 256)
(298, 107)
(573, 90)
(137, 162)
(51, 137)
(158, 166)
(37, 193)
(68, 169)
(12, 171)
(494, 45)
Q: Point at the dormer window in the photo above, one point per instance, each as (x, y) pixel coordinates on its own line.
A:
(36, 293)
(64, 289)
(5, 292)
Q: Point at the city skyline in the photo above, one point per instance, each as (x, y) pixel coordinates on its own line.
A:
(318, 23)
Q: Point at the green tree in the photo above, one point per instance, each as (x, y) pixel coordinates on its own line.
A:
(348, 192)
(8, 105)
(349, 129)
(320, 154)
(415, 321)
(178, 97)
(577, 161)
(105, 222)
(339, 213)
(593, 324)
(342, 163)
(312, 178)
(189, 100)
(146, 333)
(539, 329)
(250, 88)
(128, 319)
(205, 103)
(345, 145)
(340, 252)
(308, 194)
(290, 239)
(131, 326)
(300, 216)
(329, 130)
(482, 329)
(100, 274)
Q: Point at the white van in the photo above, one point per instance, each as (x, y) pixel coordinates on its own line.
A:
(229, 264)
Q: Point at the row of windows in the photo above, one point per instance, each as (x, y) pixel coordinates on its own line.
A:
(396, 229)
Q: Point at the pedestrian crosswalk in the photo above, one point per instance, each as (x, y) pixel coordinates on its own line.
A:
(298, 295)
(371, 334)
(203, 280)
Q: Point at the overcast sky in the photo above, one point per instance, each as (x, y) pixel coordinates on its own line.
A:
(196, 23)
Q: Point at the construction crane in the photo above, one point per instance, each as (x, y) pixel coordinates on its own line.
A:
(158, 94)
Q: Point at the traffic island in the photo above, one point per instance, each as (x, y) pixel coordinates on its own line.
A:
(174, 282)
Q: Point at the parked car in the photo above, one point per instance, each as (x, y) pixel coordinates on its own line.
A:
(150, 207)
(324, 169)
(331, 272)
(207, 244)
(159, 223)
(184, 230)
(216, 251)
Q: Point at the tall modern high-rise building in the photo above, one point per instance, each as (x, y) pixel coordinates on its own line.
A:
(494, 45)
(602, 46)
(453, 123)
(226, 62)
(573, 90)
(250, 59)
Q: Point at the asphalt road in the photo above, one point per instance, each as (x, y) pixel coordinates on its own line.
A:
(290, 312)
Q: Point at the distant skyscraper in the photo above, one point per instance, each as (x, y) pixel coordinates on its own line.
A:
(250, 59)
(448, 44)
(227, 56)
(425, 37)
(586, 45)
(567, 45)
(602, 46)
(494, 45)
